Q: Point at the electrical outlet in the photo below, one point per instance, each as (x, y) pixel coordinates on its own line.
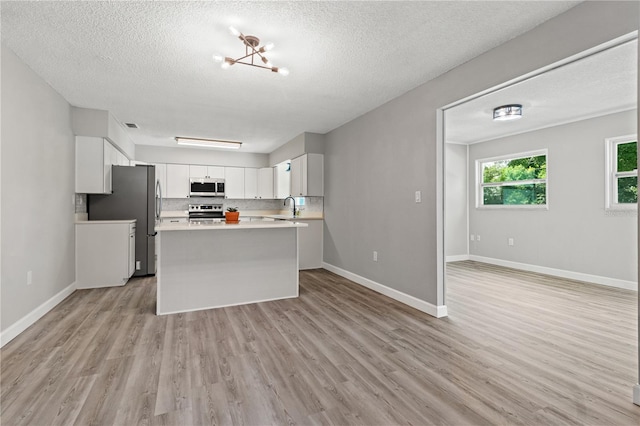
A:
(477, 237)
(473, 237)
(138, 266)
(510, 241)
(418, 196)
(29, 277)
(375, 256)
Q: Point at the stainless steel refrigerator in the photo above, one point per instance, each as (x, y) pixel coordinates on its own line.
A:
(133, 197)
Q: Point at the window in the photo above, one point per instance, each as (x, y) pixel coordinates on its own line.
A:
(518, 180)
(622, 172)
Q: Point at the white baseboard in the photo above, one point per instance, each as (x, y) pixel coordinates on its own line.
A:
(636, 394)
(457, 258)
(25, 322)
(414, 302)
(579, 276)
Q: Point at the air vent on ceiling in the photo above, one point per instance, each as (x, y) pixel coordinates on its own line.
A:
(132, 125)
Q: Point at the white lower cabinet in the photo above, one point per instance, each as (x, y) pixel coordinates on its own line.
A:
(310, 244)
(105, 253)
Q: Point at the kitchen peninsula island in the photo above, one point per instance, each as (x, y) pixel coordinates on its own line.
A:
(212, 265)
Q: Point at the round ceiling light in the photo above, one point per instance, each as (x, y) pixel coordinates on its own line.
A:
(507, 112)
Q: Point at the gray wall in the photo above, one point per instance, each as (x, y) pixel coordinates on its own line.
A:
(100, 123)
(38, 167)
(576, 233)
(292, 149)
(304, 143)
(455, 208)
(158, 154)
(392, 151)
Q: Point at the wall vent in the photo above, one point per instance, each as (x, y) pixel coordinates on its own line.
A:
(132, 125)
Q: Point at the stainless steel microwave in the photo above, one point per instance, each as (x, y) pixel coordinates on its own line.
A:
(206, 187)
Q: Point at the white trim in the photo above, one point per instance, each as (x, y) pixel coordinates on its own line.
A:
(636, 394)
(611, 175)
(414, 302)
(627, 38)
(158, 313)
(579, 276)
(468, 212)
(555, 124)
(440, 207)
(28, 320)
(457, 258)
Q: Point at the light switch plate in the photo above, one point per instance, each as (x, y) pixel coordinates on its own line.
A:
(418, 196)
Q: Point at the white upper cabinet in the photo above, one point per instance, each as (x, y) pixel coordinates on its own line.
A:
(217, 172)
(234, 182)
(121, 159)
(265, 183)
(93, 165)
(177, 181)
(307, 176)
(197, 172)
(250, 183)
(161, 177)
(282, 180)
(297, 169)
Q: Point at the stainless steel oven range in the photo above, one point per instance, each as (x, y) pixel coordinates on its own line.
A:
(205, 213)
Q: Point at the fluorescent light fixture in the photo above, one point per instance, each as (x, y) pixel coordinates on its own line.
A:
(507, 112)
(208, 143)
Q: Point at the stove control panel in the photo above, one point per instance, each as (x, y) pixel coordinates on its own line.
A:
(205, 207)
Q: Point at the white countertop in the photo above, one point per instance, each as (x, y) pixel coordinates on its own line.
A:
(217, 226)
(290, 217)
(96, 222)
(273, 214)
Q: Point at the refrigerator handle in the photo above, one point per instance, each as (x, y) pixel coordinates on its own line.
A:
(158, 200)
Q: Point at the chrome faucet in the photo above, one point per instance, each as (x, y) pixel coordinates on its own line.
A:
(294, 204)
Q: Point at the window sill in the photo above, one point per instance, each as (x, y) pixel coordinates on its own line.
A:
(514, 207)
(621, 210)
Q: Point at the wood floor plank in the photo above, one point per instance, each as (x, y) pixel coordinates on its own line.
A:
(518, 348)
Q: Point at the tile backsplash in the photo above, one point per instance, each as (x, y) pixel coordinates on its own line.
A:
(306, 204)
(81, 203)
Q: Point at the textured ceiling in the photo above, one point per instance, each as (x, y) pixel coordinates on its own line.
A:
(151, 62)
(600, 84)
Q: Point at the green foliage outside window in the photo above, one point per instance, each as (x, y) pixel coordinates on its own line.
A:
(512, 171)
(627, 161)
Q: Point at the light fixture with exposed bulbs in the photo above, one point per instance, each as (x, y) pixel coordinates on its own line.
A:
(251, 49)
(507, 112)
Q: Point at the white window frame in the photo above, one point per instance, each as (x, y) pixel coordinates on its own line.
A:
(612, 175)
(480, 185)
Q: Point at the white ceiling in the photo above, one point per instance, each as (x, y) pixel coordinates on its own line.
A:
(600, 84)
(151, 62)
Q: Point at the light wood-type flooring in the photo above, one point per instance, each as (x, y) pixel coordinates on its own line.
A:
(517, 348)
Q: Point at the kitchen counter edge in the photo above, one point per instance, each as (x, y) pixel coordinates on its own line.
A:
(97, 222)
(218, 226)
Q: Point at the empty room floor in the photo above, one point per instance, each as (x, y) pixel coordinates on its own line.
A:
(517, 348)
